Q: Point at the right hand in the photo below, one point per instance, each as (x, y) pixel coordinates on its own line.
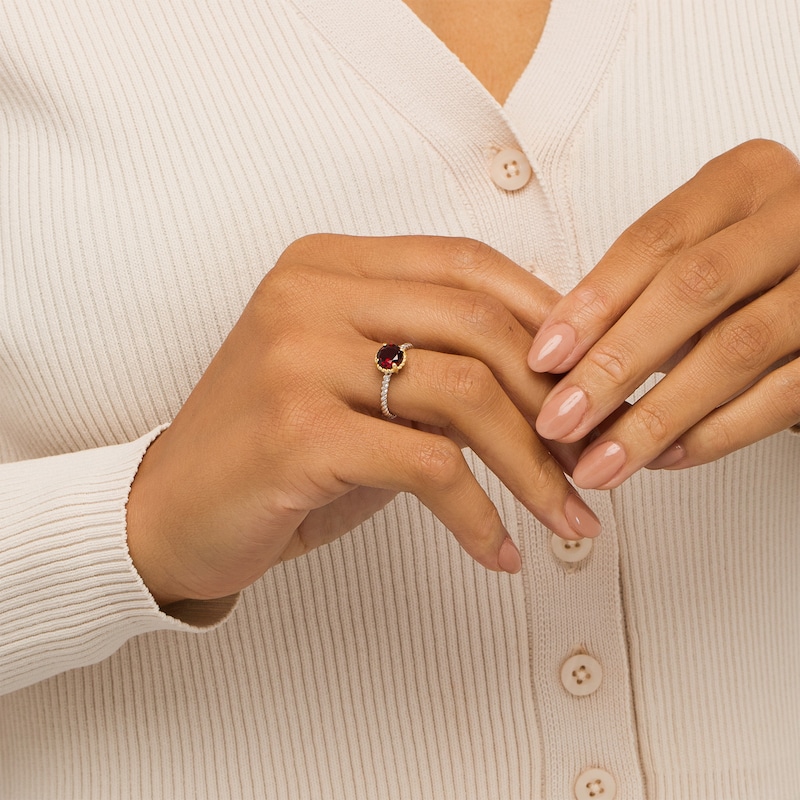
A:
(281, 446)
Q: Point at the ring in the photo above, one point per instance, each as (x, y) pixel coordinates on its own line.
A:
(389, 359)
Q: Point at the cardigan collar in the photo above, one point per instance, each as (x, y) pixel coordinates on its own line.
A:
(391, 48)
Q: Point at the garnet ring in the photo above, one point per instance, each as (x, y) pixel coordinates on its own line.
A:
(389, 359)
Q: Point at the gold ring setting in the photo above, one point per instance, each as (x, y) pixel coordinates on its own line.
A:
(389, 359)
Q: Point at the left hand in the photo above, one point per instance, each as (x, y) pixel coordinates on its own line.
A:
(705, 285)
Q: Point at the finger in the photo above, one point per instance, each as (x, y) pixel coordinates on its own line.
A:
(461, 394)
(446, 261)
(324, 525)
(771, 406)
(730, 358)
(452, 321)
(692, 290)
(432, 468)
(727, 189)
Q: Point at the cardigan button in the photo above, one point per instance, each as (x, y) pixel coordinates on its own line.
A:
(581, 675)
(595, 784)
(510, 169)
(570, 550)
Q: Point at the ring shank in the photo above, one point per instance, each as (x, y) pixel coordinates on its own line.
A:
(385, 397)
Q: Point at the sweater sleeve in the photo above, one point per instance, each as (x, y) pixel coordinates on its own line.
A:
(69, 593)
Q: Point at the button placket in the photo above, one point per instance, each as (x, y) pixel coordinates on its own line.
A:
(469, 130)
(581, 675)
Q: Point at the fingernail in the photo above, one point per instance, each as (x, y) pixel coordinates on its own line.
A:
(581, 518)
(551, 346)
(599, 465)
(672, 455)
(561, 414)
(509, 558)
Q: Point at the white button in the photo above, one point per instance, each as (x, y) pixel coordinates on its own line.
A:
(581, 675)
(595, 784)
(570, 550)
(510, 170)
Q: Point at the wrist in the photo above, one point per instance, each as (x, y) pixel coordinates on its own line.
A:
(145, 545)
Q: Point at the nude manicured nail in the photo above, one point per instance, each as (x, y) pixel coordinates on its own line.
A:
(561, 414)
(672, 455)
(509, 558)
(581, 518)
(599, 465)
(551, 346)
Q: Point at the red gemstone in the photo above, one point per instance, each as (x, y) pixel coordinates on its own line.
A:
(390, 357)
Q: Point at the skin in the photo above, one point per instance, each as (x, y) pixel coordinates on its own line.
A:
(281, 446)
(269, 459)
(495, 41)
(714, 298)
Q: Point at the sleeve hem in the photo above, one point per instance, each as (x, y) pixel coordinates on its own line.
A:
(71, 594)
(187, 615)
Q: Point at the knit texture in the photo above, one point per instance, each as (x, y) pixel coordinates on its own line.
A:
(155, 160)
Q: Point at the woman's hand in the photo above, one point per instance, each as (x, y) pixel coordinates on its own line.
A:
(705, 285)
(282, 447)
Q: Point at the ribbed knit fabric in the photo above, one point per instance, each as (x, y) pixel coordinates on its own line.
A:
(155, 160)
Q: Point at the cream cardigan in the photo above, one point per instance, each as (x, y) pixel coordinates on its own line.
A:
(155, 159)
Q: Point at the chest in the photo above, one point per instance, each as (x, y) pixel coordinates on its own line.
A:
(157, 190)
(495, 41)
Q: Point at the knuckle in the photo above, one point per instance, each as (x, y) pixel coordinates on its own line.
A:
(483, 315)
(702, 278)
(439, 462)
(759, 156)
(594, 302)
(467, 379)
(469, 254)
(718, 437)
(786, 391)
(655, 421)
(754, 164)
(612, 362)
(313, 247)
(544, 475)
(484, 526)
(284, 502)
(743, 343)
(659, 234)
(286, 289)
(303, 249)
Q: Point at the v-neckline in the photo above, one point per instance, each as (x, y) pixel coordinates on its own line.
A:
(411, 68)
(495, 42)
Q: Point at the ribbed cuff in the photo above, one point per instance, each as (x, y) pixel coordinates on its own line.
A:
(69, 593)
